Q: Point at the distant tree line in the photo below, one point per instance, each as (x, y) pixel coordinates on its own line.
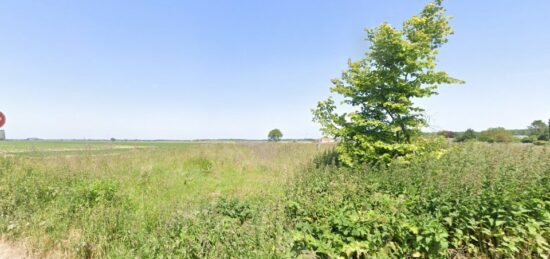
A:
(538, 133)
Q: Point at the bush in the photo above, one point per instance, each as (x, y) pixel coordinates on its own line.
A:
(446, 134)
(234, 208)
(496, 135)
(227, 228)
(527, 140)
(327, 158)
(469, 134)
(199, 165)
(540, 142)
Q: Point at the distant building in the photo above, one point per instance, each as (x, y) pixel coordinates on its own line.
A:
(327, 140)
(2, 135)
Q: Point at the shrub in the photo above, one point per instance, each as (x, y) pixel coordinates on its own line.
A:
(327, 158)
(496, 135)
(468, 135)
(527, 140)
(540, 142)
(234, 208)
(446, 134)
(199, 165)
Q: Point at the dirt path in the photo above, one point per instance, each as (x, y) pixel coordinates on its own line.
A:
(8, 251)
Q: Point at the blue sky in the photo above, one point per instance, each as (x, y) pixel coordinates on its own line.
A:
(236, 69)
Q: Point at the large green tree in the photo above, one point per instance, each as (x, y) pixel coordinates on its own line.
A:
(538, 130)
(274, 135)
(381, 121)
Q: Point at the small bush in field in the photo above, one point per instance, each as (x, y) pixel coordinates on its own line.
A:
(496, 135)
(234, 208)
(468, 135)
(327, 158)
(96, 192)
(200, 164)
(540, 142)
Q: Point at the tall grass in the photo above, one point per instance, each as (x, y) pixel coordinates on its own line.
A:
(191, 200)
(273, 200)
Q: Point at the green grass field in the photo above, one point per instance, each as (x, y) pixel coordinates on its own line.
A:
(116, 198)
(271, 200)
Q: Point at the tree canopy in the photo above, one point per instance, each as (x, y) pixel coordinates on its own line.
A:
(538, 130)
(469, 134)
(382, 121)
(274, 135)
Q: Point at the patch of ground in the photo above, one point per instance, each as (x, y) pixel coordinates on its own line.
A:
(8, 251)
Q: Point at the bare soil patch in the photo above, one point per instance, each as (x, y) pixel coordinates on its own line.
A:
(9, 251)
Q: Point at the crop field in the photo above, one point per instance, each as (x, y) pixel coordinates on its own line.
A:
(270, 200)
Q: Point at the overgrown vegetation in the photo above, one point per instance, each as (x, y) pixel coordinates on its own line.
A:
(402, 195)
(158, 200)
(277, 201)
(476, 200)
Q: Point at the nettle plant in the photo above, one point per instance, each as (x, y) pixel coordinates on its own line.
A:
(379, 89)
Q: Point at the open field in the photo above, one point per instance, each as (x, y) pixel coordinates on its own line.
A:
(71, 198)
(271, 200)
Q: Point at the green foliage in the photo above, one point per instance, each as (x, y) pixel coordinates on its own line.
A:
(446, 134)
(228, 228)
(157, 200)
(327, 157)
(199, 164)
(400, 66)
(468, 135)
(539, 130)
(87, 195)
(274, 135)
(523, 132)
(234, 208)
(469, 200)
(540, 142)
(528, 139)
(496, 135)
(476, 200)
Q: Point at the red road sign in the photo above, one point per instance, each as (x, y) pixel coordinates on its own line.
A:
(2, 119)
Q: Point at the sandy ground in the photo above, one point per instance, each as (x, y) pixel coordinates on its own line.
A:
(8, 251)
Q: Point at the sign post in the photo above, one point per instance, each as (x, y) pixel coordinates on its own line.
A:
(2, 122)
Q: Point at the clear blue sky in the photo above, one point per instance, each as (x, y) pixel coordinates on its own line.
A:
(236, 69)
